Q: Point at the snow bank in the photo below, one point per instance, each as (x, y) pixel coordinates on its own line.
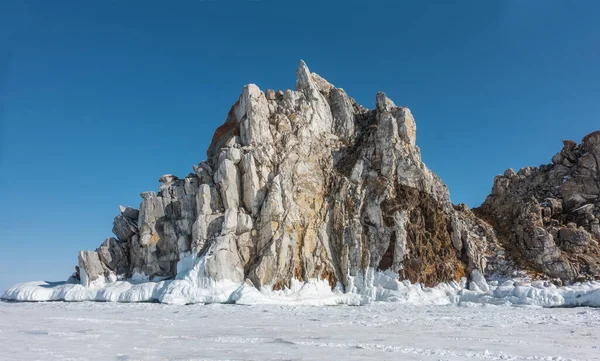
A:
(310, 293)
(538, 293)
(192, 286)
(120, 291)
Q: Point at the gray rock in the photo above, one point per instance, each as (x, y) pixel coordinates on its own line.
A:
(228, 180)
(343, 114)
(114, 254)
(230, 222)
(223, 261)
(509, 173)
(167, 178)
(124, 227)
(129, 212)
(244, 223)
(91, 271)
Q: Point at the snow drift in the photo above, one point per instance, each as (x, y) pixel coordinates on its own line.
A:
(193, 285)
(372, 287)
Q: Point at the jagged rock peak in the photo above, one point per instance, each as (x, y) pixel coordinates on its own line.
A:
(307, 80)
(383, 103)
(548, 216)
(302, 184)
(303, 77)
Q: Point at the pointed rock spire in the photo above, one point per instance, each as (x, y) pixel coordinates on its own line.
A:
(303, 78)
(384, 103)
(307, 80)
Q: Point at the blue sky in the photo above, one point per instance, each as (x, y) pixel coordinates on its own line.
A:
(100, 98)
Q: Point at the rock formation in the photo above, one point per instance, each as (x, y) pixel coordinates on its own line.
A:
(306, 183)
(297, 185)
(548, 217)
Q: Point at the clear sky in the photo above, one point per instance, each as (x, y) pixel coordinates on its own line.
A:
(100, 98)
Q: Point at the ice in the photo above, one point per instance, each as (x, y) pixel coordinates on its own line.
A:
(311, 293)
(182, 292)
(193, 286)
(478, 282)
(536, 294)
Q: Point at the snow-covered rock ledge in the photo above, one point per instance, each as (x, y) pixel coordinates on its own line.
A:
(374, 287)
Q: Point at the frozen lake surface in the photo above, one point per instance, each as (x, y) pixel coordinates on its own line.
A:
(379, 331)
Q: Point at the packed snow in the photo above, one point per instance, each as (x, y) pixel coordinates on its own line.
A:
(54, 331)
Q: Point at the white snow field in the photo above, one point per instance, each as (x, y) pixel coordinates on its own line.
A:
(377, 331)
(196, 318)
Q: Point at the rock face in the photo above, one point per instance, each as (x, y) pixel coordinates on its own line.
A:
(548, 217)
(306, 183)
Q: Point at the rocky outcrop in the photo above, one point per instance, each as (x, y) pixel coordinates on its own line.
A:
(302, 184)
(548, 217)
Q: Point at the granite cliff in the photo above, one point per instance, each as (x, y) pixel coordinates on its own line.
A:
(306, 183)
(301, 184)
